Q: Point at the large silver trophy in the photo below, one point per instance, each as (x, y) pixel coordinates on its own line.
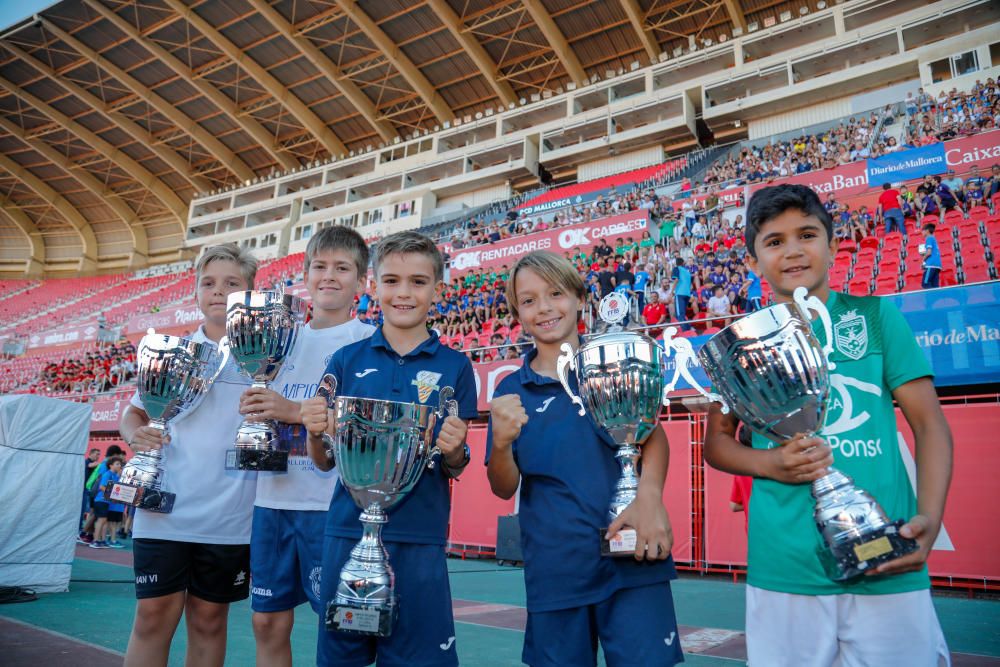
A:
(381, 449)
(773, 374)
(173, 375)
(261, 328)
(621, 387)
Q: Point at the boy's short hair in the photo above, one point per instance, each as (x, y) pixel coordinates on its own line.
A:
(768, 203)
(929, 227)
(553, 269)
(407, 242)
(229, 252)
(339, 237)
(113, 450)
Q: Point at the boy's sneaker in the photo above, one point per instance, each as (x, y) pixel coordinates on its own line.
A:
(83, 538)
(116, 545)
(99, 545)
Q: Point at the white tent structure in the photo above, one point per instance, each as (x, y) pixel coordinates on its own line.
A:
(42, 445)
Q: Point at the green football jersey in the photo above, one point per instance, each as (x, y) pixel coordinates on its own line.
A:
(875, 352)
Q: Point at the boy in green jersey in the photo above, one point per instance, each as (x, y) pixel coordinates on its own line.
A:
(795, 614)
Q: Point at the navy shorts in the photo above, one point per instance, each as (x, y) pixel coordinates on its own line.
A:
(100, 509)
(424, 633)
(286, 555)
(635, 626)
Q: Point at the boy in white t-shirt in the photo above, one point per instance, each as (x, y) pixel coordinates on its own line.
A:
(286, 549)
(195, 560)
(719, 308)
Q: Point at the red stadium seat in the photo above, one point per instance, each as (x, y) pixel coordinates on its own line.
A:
(953, 216)
(858, 287)
(886, 285)
(870, 242)
(976, 272)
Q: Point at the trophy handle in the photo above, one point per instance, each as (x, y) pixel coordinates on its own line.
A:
(223, 358)
(447, 407)
(327, 388)
(684, 354)
(565, 363)
(813, 303)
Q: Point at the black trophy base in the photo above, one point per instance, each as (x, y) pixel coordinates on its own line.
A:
(143, 498)
(621, 544)
(364, 620)
(268, 460)
(854, 558)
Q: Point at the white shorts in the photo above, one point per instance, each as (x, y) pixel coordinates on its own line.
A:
(846, 630)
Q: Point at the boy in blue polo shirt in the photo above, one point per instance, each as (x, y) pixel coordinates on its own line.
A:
(402, 361)
(286, 542)
(567, 472)
(796, 616)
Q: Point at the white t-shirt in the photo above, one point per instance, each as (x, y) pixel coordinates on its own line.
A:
(304, 487)
(718, 305)
(213, 505)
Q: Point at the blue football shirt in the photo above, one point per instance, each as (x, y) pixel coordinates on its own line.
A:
(568, 476)
(370, 368)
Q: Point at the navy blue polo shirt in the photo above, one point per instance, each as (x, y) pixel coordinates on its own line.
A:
(568, 475)
(370, 368)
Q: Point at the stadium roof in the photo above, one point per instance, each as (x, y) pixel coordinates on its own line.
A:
(114, 114)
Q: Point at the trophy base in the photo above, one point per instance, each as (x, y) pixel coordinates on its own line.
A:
(362, 619)
(854, 558)
(144, 498)
(268, 460)
(621, 544)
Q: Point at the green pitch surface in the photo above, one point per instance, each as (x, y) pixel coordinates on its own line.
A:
(90, 624)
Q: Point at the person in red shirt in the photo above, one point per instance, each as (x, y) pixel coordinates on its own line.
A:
(890, 209)
(655, 312)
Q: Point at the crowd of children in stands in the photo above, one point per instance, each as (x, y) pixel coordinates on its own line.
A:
(101, 370)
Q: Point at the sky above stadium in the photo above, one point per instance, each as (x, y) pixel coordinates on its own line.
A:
(12, 11)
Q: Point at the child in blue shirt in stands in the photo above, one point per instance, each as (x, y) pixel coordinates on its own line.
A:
(402, 361)
(567, 472)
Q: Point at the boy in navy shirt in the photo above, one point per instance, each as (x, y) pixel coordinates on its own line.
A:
(403, 362)
(567, 473)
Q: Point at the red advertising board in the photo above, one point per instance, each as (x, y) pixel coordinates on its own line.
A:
(677, 488)
(474, 508)
(844, 180)
(106, 414)
(981, 150)
(558, 240)
(969, 543)
(725, 530)
(488, 376)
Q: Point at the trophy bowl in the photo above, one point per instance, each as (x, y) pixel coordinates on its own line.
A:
(172, 375)
(261, 329)
(772, 372)
(381, 448)
(620, 381)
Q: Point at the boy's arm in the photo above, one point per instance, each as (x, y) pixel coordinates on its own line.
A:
(646, 514)
(797, 461)
(932, 436)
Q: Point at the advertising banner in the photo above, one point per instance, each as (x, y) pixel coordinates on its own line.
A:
(107, 414)
(582, 235)
(907, 165)
(82, 333)
(844, 180)
(167, 320)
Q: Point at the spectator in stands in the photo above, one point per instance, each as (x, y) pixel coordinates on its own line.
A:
(890, 209)
(975, 185)
(655, 313)
(719, 308)
(681, 285)
(931, 253)
(945, 196)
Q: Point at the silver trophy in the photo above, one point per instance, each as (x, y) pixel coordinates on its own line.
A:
(381, 448)
(173, 375)
(774, 376)
(261, 329)
(620, 380)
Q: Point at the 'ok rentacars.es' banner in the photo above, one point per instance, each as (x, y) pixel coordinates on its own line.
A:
(583, 236)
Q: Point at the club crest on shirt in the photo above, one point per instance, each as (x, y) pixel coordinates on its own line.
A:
(850, 334)
(426, 382)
